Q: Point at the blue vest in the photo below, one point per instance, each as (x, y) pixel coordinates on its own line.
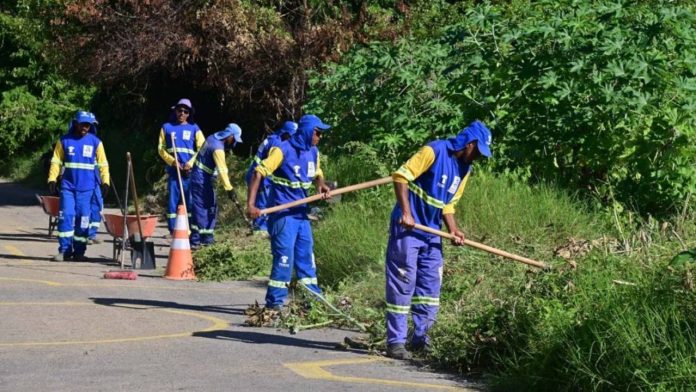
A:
(429, 193)
(291, 180)
(204, 169)
(262, 153)
(80, 162)
(185, 139)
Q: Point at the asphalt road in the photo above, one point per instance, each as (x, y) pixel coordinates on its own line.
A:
(64, 328)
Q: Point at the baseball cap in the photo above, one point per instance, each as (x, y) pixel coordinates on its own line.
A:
(476, 131)
(231, 130)
(85, 117)
(311, 121)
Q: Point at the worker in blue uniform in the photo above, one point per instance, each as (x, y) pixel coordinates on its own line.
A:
(96, 205)
(427, 188)
(79, 152)
(188, 138)
(209, 166)
(291, 167)
(260, 224)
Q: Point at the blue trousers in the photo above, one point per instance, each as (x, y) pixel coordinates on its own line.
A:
(73, 221)
(414, 276)
(175, 198)
(293, 249)
(203, 209)
(96, 207)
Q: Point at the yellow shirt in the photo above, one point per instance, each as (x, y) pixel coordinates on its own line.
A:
(275, 158)
(59, 157)
(418, 164)
(219, 158)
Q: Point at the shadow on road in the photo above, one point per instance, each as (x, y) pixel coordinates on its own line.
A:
(91, 260)
(139, 303)
(17, 257)
(262, 338)
(27, 237)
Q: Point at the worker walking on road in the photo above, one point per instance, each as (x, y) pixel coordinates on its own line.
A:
(291, 167)
(209, 164)
(427, 188)
(79, 152)
(260, 225)
(188, 138)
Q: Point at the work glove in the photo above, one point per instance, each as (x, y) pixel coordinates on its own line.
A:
(104, 190)
(52, 187)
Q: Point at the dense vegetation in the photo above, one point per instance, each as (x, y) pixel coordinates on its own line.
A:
(592, 107)
(595, 95)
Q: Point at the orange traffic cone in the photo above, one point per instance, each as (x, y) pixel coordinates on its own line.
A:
(180, 264)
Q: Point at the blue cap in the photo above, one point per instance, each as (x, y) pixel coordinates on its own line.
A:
(310, 121)
(476, 131)
(85, 117)
(289, 127)
(231, 130)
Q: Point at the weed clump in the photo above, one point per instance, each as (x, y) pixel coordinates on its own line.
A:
(226, 260)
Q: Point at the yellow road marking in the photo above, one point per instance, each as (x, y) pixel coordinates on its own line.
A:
(314, 370)
(46, 282)
(14, 250)
(218, 324)
(108, 285)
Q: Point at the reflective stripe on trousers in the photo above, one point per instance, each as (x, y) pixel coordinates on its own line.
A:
(292, 247)
(73, 222)
(96, 206)
(413, 278)
(203, 210)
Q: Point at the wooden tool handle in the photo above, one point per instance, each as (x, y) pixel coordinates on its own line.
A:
(335, 192)
(178, 175)
(483, 247)
(135, 195)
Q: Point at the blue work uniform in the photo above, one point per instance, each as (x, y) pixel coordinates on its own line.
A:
(96, 207)
(187, 138)
(261, 223)
(291, 167)
(80, 156)
(436, 180)
(209, 165)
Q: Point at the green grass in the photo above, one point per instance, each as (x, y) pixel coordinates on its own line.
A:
(525, 329)
(234, 256)
(571, 328)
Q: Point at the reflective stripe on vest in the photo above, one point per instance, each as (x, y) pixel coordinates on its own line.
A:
(288, 183)
(181, 149)
(418, 191)
(205, 168)
(85, 166)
